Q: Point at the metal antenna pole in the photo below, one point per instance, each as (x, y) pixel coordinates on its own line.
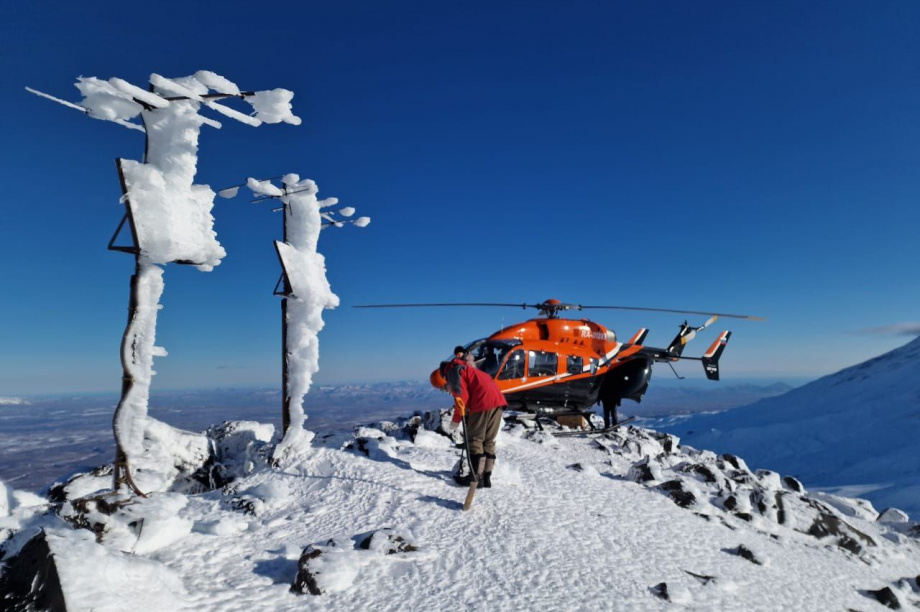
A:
(285, 361)
(121, 473)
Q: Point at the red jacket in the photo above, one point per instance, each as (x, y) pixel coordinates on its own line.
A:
(477, 389)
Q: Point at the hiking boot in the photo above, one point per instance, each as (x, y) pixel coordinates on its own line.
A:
(464, 481)
(486, 482)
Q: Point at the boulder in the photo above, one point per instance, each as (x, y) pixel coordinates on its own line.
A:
(389, 541)
(30, 580)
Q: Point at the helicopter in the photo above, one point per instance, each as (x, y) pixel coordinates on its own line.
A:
(554, 366)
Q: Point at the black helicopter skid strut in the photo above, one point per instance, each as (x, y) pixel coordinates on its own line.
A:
(586, 432)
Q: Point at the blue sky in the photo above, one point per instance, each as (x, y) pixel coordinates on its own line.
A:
(750, 157)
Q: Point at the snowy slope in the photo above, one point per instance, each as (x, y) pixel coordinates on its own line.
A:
(580, 523)
(857, 429)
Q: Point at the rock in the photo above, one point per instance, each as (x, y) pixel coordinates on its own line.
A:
(848, 538)
(735, 462)
(769, 480)
(30, 580)
(669, 443)
(660, 590)
(886, 597)
(793, 484)
(701, 578)
(389, 541)
(893, 516)
(745, 553)
(675, 490)
(644, 471)
(305, 581)
(701, 470)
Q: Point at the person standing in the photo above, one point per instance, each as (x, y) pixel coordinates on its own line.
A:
(476, 396)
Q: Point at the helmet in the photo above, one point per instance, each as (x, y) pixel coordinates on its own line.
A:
(437, 379)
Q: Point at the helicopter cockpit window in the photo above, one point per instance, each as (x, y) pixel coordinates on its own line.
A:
(574, 364)
(514, 367)
(489, 354)
(541, 363)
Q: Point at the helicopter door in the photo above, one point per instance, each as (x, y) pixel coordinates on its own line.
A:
(514, 366)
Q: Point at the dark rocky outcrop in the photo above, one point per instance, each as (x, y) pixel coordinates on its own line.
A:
(30, 580)
(660, 590)
(305, 581)
(388, 541)
(743, 552)
(886, 597)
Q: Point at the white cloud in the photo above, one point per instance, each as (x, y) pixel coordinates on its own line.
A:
(898, 329)
(13, 401)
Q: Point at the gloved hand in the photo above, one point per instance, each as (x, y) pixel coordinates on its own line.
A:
(453, 426)
(459, 405)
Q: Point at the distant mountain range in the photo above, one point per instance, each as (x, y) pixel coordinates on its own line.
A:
(856, 431)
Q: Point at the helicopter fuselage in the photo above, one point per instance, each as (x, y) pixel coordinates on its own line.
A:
(551, 365)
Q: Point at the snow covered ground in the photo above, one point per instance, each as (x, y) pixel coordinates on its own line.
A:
(854, 431)
(578, 523)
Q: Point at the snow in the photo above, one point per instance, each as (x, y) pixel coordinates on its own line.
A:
(94, 578)
(563, 528)
(274, 106)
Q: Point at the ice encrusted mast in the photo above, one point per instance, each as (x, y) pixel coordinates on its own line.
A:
(169, 216)
(304, 291)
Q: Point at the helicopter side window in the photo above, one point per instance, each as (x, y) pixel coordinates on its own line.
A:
(514, 367)
(574, 364)
(541, 363)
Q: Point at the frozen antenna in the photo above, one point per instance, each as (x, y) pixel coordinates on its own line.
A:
(304, 292)
(169, 217)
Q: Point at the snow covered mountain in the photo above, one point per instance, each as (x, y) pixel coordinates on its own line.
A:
(857, 431)
(628, 520)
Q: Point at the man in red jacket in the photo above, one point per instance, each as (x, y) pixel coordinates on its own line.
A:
(477, 396)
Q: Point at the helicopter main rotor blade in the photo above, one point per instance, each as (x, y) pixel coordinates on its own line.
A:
(696, 312)
(445, 304)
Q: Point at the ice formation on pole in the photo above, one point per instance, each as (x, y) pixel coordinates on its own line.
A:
(310, 295)
(137, 353)
(170, 216)
(307, 294)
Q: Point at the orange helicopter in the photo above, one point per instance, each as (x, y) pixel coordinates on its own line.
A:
(553, 366)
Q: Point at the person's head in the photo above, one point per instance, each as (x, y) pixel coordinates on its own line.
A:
(459, 352)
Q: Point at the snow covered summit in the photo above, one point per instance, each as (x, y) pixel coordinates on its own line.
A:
(629, 520)
(857, 430)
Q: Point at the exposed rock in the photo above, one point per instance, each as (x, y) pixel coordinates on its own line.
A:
(702, 578)
(701, 470)
(305, 581)
(675, 490)
(735, 462)
(743, 552)
(886, 597)
(769, 480)
(848, 538)
(793, 484)
(644, 471)
(389, 541)
(660, 590)
(30, 580)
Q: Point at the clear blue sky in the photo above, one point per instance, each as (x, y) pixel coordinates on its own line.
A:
(752, 157)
